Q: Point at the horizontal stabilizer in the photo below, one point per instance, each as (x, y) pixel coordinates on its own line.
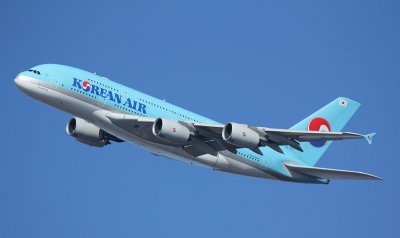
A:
(325, 173)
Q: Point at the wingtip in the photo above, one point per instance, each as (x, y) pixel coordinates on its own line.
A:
(374, 177)
(369, 137)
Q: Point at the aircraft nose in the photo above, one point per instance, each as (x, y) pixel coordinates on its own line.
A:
(18, 80)
(22, 82)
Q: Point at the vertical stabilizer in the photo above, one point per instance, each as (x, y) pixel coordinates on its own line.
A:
(332, 117)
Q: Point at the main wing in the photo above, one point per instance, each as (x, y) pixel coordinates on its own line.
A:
(230, 136)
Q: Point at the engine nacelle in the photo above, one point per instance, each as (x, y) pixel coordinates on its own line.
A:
(86, 132)
(171, 131)
(240, 135)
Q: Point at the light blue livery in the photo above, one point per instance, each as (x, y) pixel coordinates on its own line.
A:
(105, 111)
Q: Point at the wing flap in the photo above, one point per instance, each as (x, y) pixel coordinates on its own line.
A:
(325, 173)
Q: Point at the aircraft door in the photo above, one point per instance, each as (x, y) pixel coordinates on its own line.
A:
(125, 96)
(101, 100)
(263, 163)
(54, 82)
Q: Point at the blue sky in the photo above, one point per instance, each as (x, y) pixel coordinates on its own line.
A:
(257, 62)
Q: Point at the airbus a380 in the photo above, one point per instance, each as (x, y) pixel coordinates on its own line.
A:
(105, 111)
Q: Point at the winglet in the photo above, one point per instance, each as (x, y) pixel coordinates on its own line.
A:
(369, 137)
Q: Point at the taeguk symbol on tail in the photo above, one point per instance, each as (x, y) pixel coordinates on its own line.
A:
(319, 124)
(105, 111)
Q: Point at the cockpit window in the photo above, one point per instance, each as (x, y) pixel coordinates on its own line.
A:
(34, 71)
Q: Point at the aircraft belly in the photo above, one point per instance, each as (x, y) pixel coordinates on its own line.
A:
(242, 166)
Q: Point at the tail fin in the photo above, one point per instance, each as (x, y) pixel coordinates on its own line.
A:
(332, 117)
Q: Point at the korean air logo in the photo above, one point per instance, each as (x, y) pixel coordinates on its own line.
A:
(319, 124)
(86, 86)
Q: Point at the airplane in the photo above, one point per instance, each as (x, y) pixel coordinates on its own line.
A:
(105, 111)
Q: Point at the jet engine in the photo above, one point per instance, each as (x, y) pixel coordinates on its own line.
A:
(86, 132)
(240, 135)
(171, 131)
